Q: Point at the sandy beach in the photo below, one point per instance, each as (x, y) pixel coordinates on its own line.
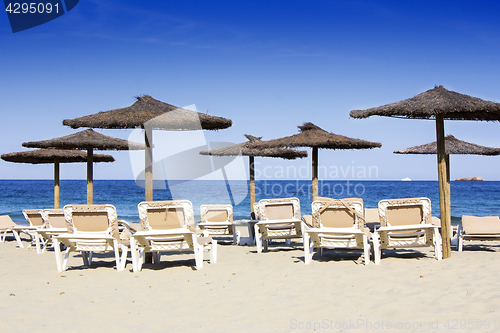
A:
(250, 292)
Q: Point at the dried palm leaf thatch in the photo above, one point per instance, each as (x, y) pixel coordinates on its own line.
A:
(450, 104)
(246, 149)
(452, 146)
(147, 111)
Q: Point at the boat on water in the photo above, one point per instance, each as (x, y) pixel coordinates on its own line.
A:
(406, 179)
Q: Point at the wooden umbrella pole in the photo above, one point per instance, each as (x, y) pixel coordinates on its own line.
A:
(90, 175)
(448, 194)
(442, 178)
(314, 173)
(252, 186)
(148, 160)
(56, 183)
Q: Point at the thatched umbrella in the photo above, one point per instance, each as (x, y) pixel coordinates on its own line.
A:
(313, 136)
(438, 103)
(88, 140)
(56, 156)
(246, 149)
(149, 113)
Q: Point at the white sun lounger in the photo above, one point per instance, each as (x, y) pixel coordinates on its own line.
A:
(406, 223)
(335, 223)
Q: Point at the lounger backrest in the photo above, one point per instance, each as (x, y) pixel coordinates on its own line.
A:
(100, 219)
(486, 225)
(34, 217)
(6, 222)
(54, 218)
(337, 215)
(400, 212)
(371, 215)
(216, 213)
(278, 209)
(166, 215)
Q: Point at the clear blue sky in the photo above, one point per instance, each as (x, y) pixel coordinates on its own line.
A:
(267, 65)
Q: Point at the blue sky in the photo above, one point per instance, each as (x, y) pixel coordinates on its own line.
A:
(267, 65)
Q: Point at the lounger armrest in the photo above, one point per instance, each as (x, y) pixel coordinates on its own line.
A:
(307, 219)
(281, 221)
(408, 227)
(178, 231)
(125, 224)
(83, 236)
(335, 231)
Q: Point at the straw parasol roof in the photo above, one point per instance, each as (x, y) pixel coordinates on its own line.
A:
(247, 149)
(452, 146)
(83, 140)
(313, 136)
(450, 104)
(149, 113)
(56, 156)
(48, 155)
(439, 103)
(161, 115)
(86, 139)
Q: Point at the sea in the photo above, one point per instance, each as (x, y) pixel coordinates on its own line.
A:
(467, 198)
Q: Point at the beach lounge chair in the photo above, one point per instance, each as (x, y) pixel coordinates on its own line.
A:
(91, 228)
(405, 223)
(55, 224)
(168, 226)
(36, 222)
(7, 225)
(279, 219)
(217, 220)
(476, 228)
(336, 223)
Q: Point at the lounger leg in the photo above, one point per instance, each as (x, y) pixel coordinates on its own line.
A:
(437, 244)
(57, 251)
(258, 239)
(266, 244)
(18, 239)
(213, 252)
(117, 256)
(366, 247)
(198, 255)
(460, 243)
(85, 257)
(307, 249)
(65, 261)
(156, 257)
(288, 241)
(377, 250)
(37, 244)
(133, 254)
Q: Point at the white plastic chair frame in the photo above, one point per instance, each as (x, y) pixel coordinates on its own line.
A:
(7, 225)
(284, 227)
(489, 230)
(91, 236)
(220, 227)
(415, 233)
(51, 228)
(327, 237)
(178, 235)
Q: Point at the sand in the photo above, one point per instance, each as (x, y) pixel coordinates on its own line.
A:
(245, 291)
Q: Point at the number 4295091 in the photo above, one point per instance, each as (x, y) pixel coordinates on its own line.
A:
(32, 8)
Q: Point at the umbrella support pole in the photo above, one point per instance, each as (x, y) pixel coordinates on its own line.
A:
(148, 169)
(314, 173)
(90, 175)
(56, 183)
(444, 204)
(252, 186)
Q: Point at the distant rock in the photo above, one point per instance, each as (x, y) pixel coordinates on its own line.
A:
(470, 179)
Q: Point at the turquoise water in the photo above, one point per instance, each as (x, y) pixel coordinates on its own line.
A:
(471, 198)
